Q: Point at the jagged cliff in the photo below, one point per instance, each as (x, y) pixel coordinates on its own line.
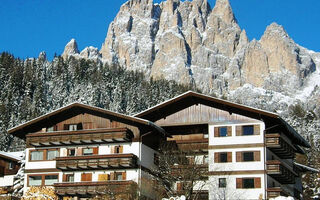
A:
(192, 43)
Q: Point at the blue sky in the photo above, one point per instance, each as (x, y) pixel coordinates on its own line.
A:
(31, 26)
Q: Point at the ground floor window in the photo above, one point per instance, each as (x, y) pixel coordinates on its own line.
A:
(222, 182)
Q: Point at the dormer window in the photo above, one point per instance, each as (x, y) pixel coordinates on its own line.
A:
(51, 128)
(73, 127)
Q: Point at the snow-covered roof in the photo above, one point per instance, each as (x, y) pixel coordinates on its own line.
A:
(16, 156)
(307, 168)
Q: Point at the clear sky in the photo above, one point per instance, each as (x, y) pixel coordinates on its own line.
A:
(31, 26)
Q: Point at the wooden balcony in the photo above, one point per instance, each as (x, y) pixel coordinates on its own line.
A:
(111, 161)
(279, 146)
(96, 136)
(275, 192)
(94, 188)
(281, 172)
(187, 170)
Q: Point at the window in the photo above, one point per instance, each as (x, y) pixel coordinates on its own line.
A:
(205, 159)
(223, 157)
(42, 179)
(43, 154)
(247, 130)
(35, 180)
(222, 131)
(222, 182)
(248, 183)
(71, 152)
(36, 155)
(52, 154)
(51, 129)
(119, 176)
(86, 177)
(248, 156)
(12, 165)
(118, 149)
(88, 151)
(50, 179)
(69, 178)
(73, 127)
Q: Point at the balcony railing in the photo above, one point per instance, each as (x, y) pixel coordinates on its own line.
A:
(113, 161)
(96, 136)
(279, 146)
(275, 192)
(281, 172)
(94, 188)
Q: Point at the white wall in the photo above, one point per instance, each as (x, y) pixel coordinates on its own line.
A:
(231, 192)
(6, 180)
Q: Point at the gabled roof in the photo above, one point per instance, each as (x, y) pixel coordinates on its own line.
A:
(14, 156)
(190, 98)
(72, 110)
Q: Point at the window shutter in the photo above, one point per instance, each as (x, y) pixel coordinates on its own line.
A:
(239, 182)
(216, 132)
(89, 176)
(112, 149)
(229, 156)
(229, 129)
(64, 152)
(55, 128)
(256, 155)
(216, 157)
(239, 156)
(112, 176)
(95, 150)
(64, 178)
(124, 176)
(103, 177)
(179, 186)
(238, 130)
(79, 151)
(256, 129)
(120, 149)
(66, 127)
(83, 177)
(257, 182)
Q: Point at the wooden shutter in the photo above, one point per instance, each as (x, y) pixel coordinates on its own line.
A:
(103, 177)
(239, 156)
(121, 149)
(239, 182)
(83, 177)
(256, 129)
(229, 156)
(179, 186)
(64, 178)
(64, 152)
(89, 176)
(95, 150)
(112, 176)
(79, 151)
(124, 176)
(256, 155)
(229, 130)
(257, 182)
(238, 130)
(66, 127)
(112, 149)
(216, 157)
(216, 132)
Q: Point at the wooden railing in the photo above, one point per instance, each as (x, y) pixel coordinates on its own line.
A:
(281, 172)
(279, 146)
(93, 188)
(97, 162)
(96, 136)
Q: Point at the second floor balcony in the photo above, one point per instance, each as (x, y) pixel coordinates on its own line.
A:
(281, 172)
(111, 161)
(279, 146)
(94, 136)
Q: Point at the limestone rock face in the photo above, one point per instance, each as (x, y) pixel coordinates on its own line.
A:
(71, 48)
(192, 43)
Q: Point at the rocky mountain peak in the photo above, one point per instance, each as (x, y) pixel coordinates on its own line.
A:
(70, 48)
(223, 10)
